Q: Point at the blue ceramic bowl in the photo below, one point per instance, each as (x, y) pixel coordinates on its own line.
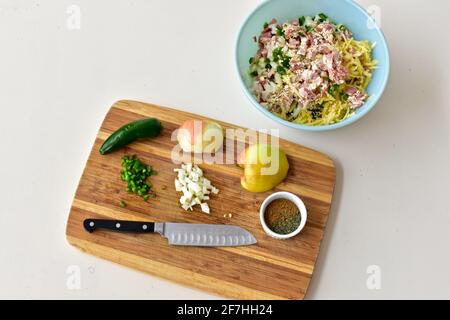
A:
(346, 12)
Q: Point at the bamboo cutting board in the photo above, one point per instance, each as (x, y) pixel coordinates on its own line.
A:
(271, 269)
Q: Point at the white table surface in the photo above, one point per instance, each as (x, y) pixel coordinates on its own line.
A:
(391, 205)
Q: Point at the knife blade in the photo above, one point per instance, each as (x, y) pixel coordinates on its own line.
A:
(181, 234)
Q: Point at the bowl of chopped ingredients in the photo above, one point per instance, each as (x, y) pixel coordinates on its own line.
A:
(312, 65)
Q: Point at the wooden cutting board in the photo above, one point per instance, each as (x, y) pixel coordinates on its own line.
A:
(271, 269)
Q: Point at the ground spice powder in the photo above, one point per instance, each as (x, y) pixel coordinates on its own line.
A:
(282, 216)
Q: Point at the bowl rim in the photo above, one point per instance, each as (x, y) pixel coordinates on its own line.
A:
(370, 104)
(289, 196)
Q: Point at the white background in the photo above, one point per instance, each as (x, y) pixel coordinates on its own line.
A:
(391, 205)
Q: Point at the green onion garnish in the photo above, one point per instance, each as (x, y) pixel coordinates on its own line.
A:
(277, 53)
(322, 17)
(301, 20)
(333, 89)
(281, 70)
(280, 31)
(285, 62)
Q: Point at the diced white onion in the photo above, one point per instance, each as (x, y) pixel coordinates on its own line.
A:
(194, 186)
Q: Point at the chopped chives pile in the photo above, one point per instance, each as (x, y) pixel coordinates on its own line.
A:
(134, 173)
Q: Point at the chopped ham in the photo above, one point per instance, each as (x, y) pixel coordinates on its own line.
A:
(357, 99)
(351, 90)
(301, 64)
(293, 43)
(265, 37)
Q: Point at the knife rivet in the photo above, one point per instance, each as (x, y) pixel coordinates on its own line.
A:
(144, 227)
(91, 224)
(117, 225)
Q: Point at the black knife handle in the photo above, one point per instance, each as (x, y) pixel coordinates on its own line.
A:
(119, 225)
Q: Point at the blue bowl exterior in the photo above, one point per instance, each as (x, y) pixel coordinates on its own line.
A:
(346, 12)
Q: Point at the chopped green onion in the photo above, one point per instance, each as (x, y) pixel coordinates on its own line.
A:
(251, 60)
(280, 31)
(285, 62)
(281, 70)
(333, 89)
(341, 28)
(254, 73)
(322, 17)
(266, 25)
(122, 204)
(277, 54)
(302, 20)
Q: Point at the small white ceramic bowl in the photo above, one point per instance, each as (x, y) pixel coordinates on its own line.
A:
(283, 195)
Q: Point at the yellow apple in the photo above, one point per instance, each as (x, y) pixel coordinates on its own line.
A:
(265, 167)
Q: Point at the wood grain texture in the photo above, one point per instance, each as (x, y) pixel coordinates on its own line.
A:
(272, 269)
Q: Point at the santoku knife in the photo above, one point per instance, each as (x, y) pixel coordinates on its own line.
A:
(182, 234)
